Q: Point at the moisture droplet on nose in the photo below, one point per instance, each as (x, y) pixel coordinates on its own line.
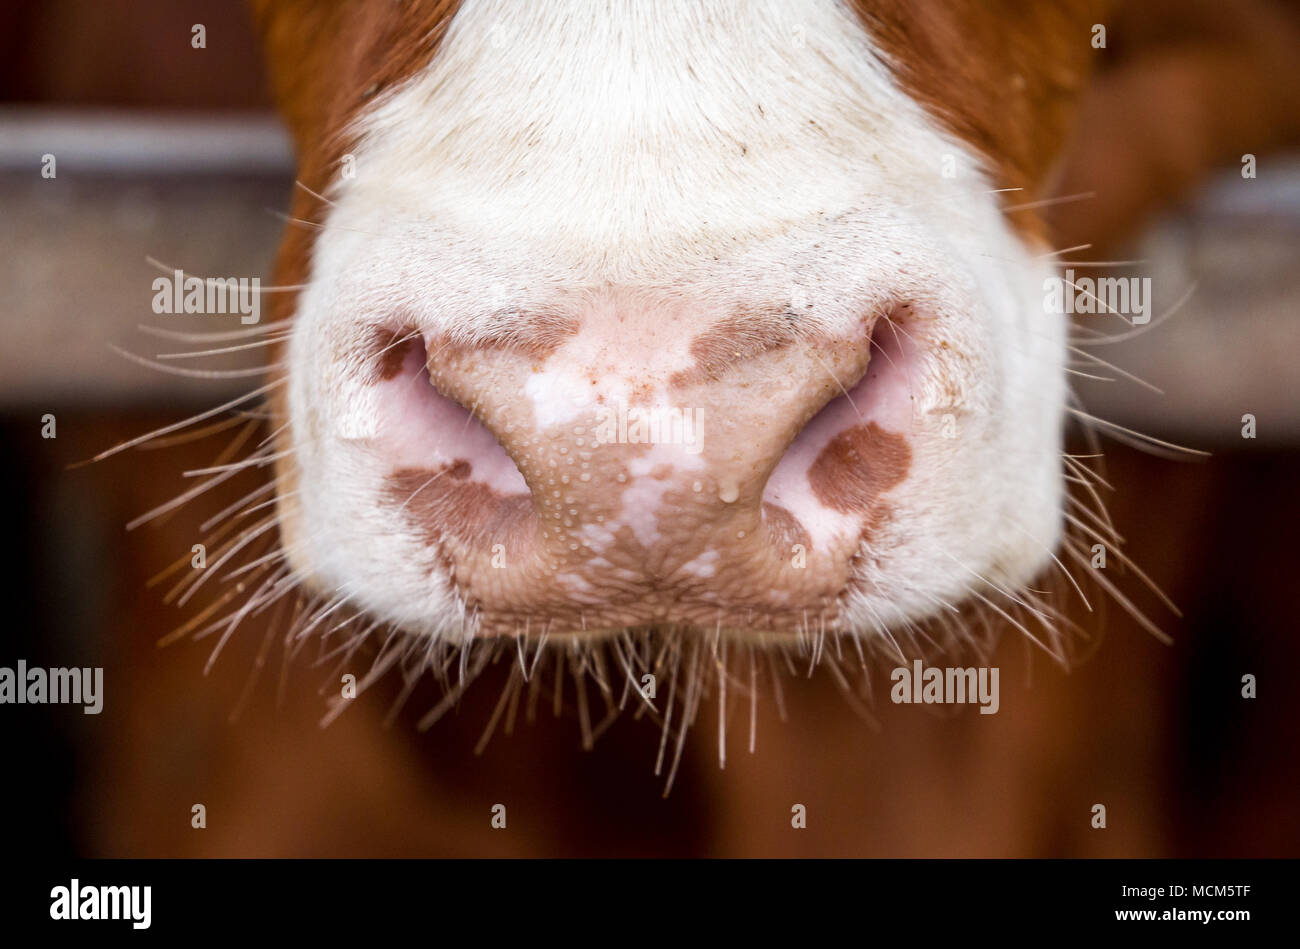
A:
(728, 491)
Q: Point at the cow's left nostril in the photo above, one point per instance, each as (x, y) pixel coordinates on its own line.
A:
(878, 399)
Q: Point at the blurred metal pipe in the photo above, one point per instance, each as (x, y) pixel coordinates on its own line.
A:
(130, 143)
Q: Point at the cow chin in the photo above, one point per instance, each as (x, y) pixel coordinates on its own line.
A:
(770, 364)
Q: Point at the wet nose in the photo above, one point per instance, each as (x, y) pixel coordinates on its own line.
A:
(637, 468)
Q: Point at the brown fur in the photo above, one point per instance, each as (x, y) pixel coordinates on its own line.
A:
(1002, 75)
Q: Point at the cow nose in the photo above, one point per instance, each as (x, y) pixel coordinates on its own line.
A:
(628, 471)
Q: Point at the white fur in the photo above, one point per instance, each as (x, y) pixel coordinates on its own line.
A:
(719, 153)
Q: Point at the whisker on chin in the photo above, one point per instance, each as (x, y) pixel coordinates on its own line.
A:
(185, 423)
(248, 373)
(223, 350)
(214, 336)
(1097, 338)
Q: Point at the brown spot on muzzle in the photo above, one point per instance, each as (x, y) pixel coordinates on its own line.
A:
(730, 342)
(444, 503)
(784, 528)
(857, 466)
(386, 350)
(534, 335)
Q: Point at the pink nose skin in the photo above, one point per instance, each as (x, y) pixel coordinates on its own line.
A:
(629, 469)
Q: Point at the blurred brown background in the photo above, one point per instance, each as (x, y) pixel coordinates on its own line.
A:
(171, 152)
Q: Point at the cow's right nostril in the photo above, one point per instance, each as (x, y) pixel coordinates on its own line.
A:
(450, 476)
(422, 427)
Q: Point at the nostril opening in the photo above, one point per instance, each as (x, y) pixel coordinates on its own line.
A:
(851, 405)
(878, 394)
(426, 428)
